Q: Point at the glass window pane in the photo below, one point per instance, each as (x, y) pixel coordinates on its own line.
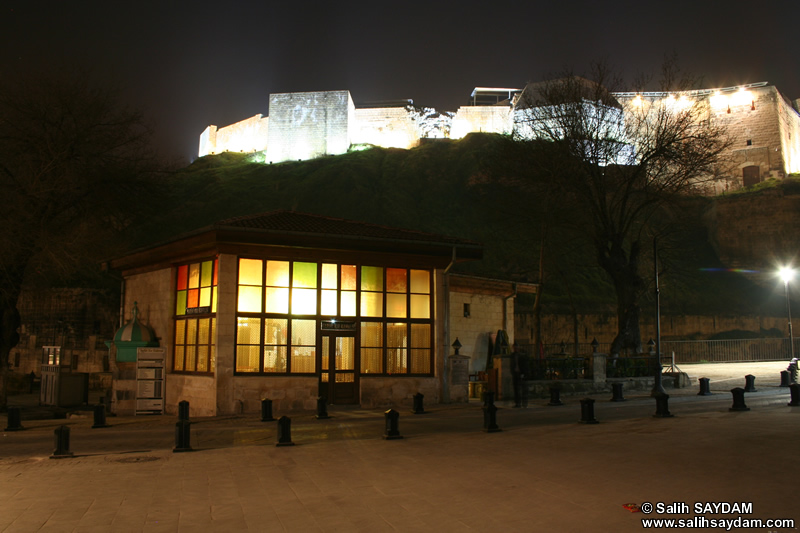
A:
(202, 358)
(250, 272)
(420, 281)
(396, 280)
(304, 332)
(278, 273)
(183, 277)
(180, 332)
(372, 304)
(203, 330)
(305, 275)
(247, 358)
(248, 330)
(205, 297)
(396, 361)
(345, 353)
(329, 278)
(396, 305)
(349, 277)
(205, 273)
(420, 335)
(214, 300)
(249, 299)
(348, 303)
(420, 361)
(179, 354)
(191, 331)
(396, 335)
(180, 303)
(304, 359)
(329, 302)
(275, 330)
(371, 278)
(275, 359)
(216, 269)
(372, 360)
(193, 298)
(191, 358)
(194, 275)
(304, 301)
(277, 300)
(420, 306)
(372, 334)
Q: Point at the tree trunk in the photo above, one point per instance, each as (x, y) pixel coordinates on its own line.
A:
(628, 284)
(9, 337)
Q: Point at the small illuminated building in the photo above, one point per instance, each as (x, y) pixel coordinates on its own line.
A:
(291, 306)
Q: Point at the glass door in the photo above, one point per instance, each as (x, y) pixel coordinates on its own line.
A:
(338, 379)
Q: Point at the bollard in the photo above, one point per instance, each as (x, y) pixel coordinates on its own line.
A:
(322, 408)
(793, 370)
(587, 411)
(738, 400)
(62, 443)
(616, 392)
(183, 410)
(183, 430)
(284, 432)
(662, 406)
(392, 420)
(99, 417)
(266, 410)
(14, 419)
(418, 408)
(705, 390)
(794, 391)
(555, 396)
(784, 378)
(750, 383)
(490, 419)
(488, 398)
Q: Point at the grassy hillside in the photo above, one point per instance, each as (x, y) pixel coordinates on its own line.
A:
(470, 188)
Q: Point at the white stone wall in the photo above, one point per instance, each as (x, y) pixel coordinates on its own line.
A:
(475, 331)
(390, 127)
(308, 125)
(490, 119)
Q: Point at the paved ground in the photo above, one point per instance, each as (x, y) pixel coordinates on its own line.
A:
(544, 471)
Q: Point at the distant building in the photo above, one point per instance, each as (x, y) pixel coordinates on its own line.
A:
(764, 125)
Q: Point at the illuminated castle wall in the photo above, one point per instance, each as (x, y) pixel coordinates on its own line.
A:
(763, 124)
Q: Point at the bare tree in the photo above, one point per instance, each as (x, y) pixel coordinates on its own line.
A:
(73, 163)
(616, 162)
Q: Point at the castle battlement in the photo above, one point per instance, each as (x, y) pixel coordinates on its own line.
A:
(763, 124)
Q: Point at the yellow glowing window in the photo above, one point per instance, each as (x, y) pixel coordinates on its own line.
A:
(249, 299)
(396, 306)
(396, 280)
(278, 273)
(372, 304)
(250, 272)
(328, 302)
(277, 300)
(420, 281)
(348, 303)
(329, 276)
(194, 345)
(304, 301)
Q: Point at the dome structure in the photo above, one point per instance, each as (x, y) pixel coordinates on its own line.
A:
(132, 336)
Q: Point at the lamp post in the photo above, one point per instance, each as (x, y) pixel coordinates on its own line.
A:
(787, 274)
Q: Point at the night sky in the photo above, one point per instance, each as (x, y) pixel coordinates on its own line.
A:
(191, 64)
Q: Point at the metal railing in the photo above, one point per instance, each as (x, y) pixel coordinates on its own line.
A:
(728, 351)
(560, 368)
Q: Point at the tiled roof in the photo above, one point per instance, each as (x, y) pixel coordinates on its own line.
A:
(308, 224)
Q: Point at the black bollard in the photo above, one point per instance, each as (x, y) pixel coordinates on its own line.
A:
(14, 419)
(62, 443)
(418, 408)
(750, 383)
(392, 422)
(322, 408)
(587, 411)
(490, 418)
(488, 398)
(183, 431)
(794, 391)
(183, 410)
(738, 400)
(555, 396)
(99, 417)
(662, 405)
(616, 392)
(266, 410)
(784, 378)
(284, 432)
(705, 390)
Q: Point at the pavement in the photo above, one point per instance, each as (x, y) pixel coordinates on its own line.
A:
(544, 471)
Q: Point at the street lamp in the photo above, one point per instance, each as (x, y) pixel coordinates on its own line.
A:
(787, 274)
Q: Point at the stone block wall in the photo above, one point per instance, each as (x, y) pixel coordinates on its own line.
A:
(153, 292)
(390, 127)
(489, 119)
(486, 316)
(381, 391)
(287, 393)
(308, 125)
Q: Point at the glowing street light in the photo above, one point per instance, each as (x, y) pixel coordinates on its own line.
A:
(787, 274)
